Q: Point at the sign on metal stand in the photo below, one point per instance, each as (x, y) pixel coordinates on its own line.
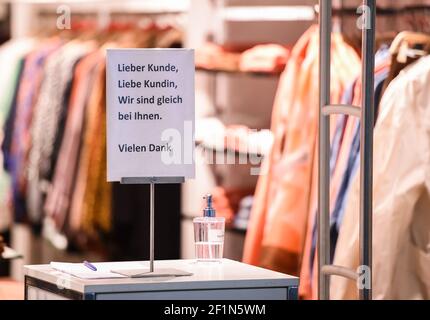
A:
(150, 124)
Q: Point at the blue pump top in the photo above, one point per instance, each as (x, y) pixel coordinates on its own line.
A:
(209, 211)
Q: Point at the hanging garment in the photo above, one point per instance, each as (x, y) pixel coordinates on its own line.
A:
(401, 196)
(97, 200)
(353, 165)
(287, 88)
(16, 158)
(60, 192)
(90, 203)
(276, 233)
(11, 61)
(48, 121)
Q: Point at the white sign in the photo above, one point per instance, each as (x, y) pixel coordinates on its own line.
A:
(150, 113)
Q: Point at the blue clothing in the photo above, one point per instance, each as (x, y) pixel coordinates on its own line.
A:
(351, 169)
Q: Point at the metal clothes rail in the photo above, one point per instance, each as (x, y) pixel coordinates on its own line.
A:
(366, 114)
(383, 11)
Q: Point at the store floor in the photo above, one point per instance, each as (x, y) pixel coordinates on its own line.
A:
(11, 290)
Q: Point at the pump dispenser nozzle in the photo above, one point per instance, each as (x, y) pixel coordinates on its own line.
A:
(209, 233)
(209, 211)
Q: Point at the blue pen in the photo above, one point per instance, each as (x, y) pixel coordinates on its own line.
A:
(89, 265)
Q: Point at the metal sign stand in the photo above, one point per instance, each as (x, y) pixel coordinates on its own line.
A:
(152, 272)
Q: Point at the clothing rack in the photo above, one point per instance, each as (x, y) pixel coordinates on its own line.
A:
(366, 114)
(338, 12)
(26, 14)
(26, 18)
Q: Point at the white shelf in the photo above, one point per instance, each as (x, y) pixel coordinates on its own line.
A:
(120, 5)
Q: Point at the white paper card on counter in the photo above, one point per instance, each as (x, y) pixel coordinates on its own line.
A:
(150, 113)
(80, 271)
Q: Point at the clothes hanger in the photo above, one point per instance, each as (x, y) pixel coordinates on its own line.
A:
(406, 52)
(403, 52)
(411, 38)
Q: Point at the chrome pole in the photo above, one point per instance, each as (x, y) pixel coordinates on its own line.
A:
(366, 148)
(325, 22)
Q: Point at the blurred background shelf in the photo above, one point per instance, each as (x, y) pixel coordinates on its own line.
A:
(238, 72)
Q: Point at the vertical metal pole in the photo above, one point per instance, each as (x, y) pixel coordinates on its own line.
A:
(325, 21)
(366, 148)
(151, 227)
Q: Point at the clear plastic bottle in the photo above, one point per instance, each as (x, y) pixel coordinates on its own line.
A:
(209, 234)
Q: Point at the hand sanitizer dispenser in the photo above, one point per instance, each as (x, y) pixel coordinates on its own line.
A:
(209, 234)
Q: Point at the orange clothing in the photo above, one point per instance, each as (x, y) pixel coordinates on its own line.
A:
(90, 207)
(254, 236)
